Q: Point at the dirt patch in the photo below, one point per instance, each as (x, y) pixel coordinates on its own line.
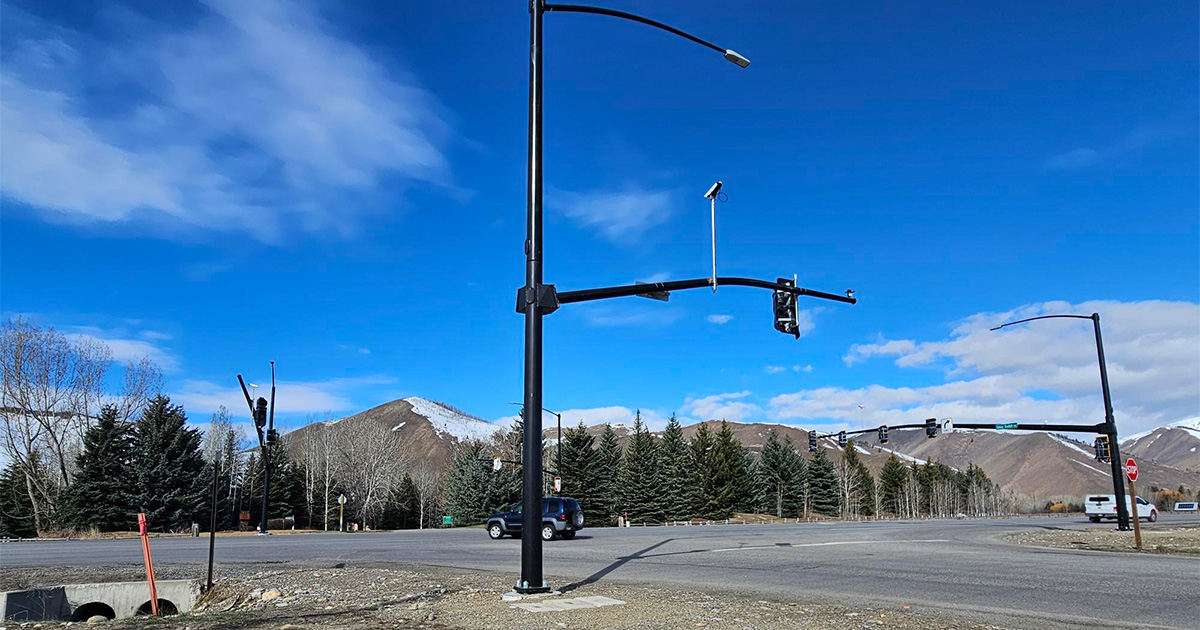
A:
(1155, 539)
(391, 596)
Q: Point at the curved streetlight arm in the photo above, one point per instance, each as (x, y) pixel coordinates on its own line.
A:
(1030, 319)
(579, 8)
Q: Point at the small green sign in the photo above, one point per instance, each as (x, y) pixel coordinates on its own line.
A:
(1007, 425)
(446, 520)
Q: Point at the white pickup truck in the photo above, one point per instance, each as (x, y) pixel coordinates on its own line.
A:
(1098, 506)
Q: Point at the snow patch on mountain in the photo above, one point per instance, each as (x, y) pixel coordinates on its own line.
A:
(1072, 445)
(1191, 425)
(447, 421)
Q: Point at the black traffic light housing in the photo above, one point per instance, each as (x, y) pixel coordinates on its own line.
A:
(812, 441)
(1103, 454)
(272, 437)
(787, 320)
(842, 439)
(260, 413)
(931, 428)
(883, 436)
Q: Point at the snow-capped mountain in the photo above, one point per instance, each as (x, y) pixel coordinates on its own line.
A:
(1176, 444)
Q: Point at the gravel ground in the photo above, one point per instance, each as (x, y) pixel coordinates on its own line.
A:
(1156, 538)
(392, 596)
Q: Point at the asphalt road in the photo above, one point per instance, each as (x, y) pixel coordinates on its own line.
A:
(959, 567)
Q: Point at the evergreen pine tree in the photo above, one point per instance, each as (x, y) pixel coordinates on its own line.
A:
(400, 510)
(100, 495)
(287, 487)
(641, 477)
(892, 478)
(731, 480)
(168, 468)
(797, 502)
(779, 467)
(677, 474)
(823, 484)
(16, 512)
(466, 487)
(703, 479)
(608, 468)
(579, 467)
(503, 489)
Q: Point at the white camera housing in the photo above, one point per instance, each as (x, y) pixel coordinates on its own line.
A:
(712, 192)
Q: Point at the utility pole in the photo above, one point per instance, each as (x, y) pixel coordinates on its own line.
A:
(1109, 427)
(263, 419)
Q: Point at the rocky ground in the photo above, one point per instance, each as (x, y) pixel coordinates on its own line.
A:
(1156, 538)
(392, 596)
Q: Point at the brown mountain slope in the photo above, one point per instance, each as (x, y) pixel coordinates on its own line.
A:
(429, 430)
(1038, 465)
(1177, 445)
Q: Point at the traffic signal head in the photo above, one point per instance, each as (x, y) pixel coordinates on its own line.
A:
(842, 439)
(786, 318)
(931, 428)
(272, 436)
(883, 436)
(812, 441)
(260, 413)
(1102, 450)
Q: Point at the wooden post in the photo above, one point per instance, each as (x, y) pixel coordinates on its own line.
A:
(1137, 522)
(149, 564)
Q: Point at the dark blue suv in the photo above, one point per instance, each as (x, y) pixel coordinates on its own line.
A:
(561, 516)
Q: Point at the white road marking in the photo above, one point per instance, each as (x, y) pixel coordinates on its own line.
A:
(827, 544)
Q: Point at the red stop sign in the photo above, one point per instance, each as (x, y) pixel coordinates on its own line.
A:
(1131, 469)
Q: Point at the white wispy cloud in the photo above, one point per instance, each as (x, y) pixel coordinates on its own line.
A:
(802, 368)
(728, 406)
(255, 117)
(131, 346)
(719, 319)
(1041, 371)
(355, 349)
(774, 369)
(621, 216)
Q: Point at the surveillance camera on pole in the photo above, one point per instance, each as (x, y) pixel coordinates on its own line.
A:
(713, 192)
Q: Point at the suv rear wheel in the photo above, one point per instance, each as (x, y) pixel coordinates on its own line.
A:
(495, 531)
(1153, 516)
(548, 532)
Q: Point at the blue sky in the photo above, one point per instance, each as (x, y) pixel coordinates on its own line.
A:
(340, 188)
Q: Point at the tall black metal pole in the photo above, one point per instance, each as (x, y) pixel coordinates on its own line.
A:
(531, 580)
(1110, 427)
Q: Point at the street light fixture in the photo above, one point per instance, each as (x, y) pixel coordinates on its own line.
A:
(536, 299)
(1110, 423)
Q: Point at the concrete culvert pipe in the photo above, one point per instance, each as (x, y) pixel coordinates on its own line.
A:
(165, 608)
(94, 609)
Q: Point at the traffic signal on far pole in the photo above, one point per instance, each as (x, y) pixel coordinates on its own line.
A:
(260, 413)
(1102, 450)
(812, 441)
(786, 318)
(931, 428)
(883, 436)
(842, 439)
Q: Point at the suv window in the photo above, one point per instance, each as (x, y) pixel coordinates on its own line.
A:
(1141, 501)
(571, 505)
(553, 506)
(1099, 499)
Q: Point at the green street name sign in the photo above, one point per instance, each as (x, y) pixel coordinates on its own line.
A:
(1008, 425)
